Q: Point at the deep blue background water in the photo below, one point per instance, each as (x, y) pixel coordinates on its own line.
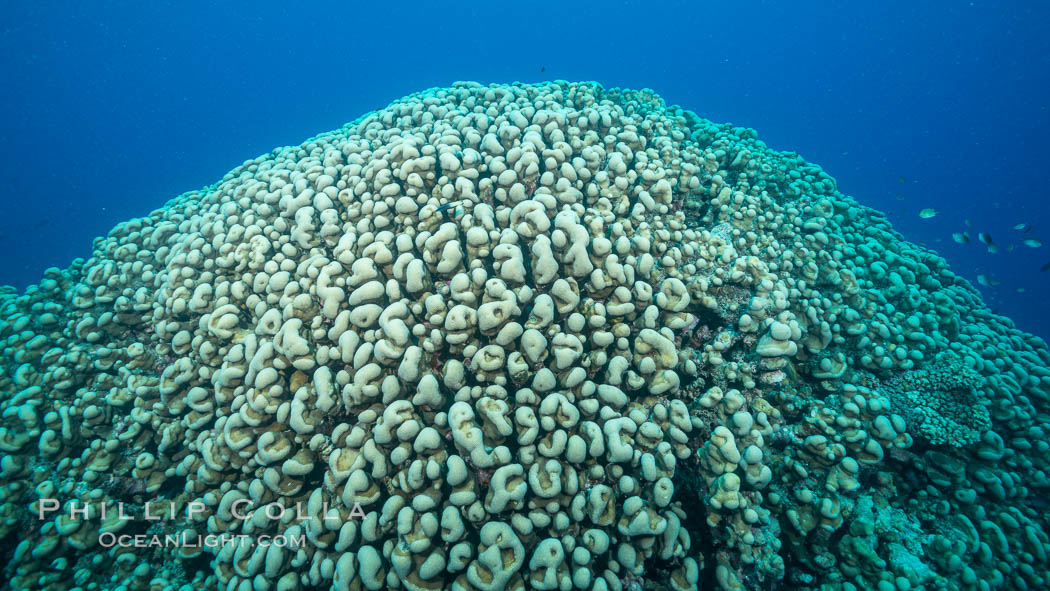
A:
(110, 109)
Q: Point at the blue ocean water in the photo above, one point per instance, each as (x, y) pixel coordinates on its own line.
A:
(110, 109)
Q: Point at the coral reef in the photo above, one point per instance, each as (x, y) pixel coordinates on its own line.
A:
(941, 401)
(548, 336)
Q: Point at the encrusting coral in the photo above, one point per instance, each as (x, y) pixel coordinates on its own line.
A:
(548, 336)
(941, 401)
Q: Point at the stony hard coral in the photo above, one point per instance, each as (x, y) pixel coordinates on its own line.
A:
(943, 401)
(522, 336)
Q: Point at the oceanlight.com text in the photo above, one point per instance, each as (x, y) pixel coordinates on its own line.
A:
(187, 540)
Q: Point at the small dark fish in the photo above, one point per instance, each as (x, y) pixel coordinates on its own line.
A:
(961, 237)
(447, 210)
(985, 237)
(42, 223)
(1045, 268)
(903, 180)
(1028, 229)
(543, 69)
(900, 197)
(969, 224)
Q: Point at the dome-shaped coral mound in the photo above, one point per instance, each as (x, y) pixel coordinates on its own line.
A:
(539, 336)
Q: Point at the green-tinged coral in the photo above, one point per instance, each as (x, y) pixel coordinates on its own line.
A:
(943, 400)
